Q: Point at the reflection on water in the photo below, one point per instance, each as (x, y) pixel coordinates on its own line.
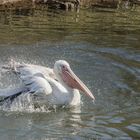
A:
(102, 48)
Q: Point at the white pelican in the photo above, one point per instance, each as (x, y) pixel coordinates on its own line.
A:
(57, 86)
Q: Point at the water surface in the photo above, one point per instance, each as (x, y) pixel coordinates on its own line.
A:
(103, 48)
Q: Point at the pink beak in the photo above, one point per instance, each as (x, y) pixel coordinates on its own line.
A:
(73, 81)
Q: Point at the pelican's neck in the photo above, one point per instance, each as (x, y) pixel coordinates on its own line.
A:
(73, 93)
(63, 83)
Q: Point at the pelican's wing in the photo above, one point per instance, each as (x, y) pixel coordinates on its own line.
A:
(35, 84)
(33, 79)
(29, 69)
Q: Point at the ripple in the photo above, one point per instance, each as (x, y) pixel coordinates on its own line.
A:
(102, 48)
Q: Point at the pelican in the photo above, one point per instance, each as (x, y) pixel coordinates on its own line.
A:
(57, 86)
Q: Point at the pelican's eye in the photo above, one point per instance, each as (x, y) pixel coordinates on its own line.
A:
(63, 67)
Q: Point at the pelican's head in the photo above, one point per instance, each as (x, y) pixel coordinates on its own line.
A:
(63, 71)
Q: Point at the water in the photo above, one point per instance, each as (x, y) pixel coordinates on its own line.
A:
(102, 49)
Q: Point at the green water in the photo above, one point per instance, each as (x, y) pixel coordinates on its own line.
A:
(103, 48)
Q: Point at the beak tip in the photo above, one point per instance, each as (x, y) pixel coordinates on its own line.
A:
(93, 98)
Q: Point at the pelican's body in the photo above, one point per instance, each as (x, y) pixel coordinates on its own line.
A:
(58, 86)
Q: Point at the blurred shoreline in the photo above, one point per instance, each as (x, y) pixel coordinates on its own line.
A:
(70, 4)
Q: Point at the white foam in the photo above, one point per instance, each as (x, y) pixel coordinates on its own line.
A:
(24, 103)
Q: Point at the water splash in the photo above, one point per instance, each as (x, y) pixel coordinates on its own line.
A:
(24, 103)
